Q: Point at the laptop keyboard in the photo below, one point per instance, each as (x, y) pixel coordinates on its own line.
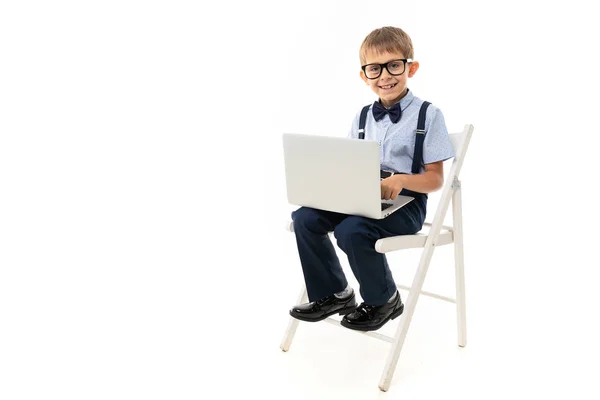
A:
(385, 205)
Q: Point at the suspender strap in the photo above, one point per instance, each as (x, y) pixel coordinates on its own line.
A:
(418, 156)
(362, 122)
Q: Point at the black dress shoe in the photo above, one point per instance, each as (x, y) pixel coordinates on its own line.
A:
(371, 318)
(321, 309)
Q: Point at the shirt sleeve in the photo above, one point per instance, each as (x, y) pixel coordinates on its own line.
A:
(437, 145)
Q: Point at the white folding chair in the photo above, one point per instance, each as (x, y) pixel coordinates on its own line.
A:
(434, 234)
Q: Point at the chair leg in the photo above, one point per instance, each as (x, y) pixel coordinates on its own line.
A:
(459, 265)
(293, 324)
(394, 352)
(409, 309)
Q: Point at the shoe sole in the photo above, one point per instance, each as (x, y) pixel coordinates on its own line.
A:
(343, 311)
(393, 315)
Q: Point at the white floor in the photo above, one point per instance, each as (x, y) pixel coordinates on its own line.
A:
(511, 353)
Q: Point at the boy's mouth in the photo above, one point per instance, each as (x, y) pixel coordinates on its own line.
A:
(388, 87)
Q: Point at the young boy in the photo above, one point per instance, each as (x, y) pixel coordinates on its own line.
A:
(386, 57)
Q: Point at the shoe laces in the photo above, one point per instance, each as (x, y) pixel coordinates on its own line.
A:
(322, 301)
(365, 309)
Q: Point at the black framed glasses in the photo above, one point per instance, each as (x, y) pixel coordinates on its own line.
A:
(394, 67)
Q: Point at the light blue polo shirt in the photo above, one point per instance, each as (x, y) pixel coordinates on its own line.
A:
(397, 141)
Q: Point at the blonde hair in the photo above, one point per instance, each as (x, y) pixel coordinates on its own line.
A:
(387, 39)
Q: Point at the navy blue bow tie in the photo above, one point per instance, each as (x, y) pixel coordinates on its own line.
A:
(394, 111)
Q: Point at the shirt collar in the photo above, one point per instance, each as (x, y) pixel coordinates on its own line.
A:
(406, 100)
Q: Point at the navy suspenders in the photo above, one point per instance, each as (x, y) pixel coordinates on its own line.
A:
(418, 156)
(363, 121)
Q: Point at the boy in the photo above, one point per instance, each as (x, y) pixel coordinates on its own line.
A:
(386, 57)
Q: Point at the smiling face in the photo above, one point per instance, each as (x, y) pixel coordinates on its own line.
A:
(389, 88)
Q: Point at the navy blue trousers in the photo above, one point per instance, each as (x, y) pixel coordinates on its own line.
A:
(356, 236)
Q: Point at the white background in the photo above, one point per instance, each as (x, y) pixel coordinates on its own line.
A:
(142, 200)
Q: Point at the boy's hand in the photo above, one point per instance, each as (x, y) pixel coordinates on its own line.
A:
(391, 187)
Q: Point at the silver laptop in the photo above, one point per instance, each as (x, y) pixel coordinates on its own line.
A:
(336, 174)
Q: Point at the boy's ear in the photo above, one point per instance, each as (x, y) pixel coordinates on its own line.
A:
(363, 76)
(413, 68)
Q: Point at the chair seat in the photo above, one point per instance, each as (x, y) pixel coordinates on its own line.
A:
(401, 242)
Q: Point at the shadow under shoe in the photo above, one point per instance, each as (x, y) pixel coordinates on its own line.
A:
(371, 318)
(321, 309)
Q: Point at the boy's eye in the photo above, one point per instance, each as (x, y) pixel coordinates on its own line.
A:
(395, 65)
(374, 68)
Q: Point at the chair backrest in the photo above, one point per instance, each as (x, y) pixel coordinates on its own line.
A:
(456, 140)
(460, 144)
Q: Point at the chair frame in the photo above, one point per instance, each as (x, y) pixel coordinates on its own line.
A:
(437, 235)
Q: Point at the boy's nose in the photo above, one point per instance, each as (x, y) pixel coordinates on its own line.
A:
(385, 74)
